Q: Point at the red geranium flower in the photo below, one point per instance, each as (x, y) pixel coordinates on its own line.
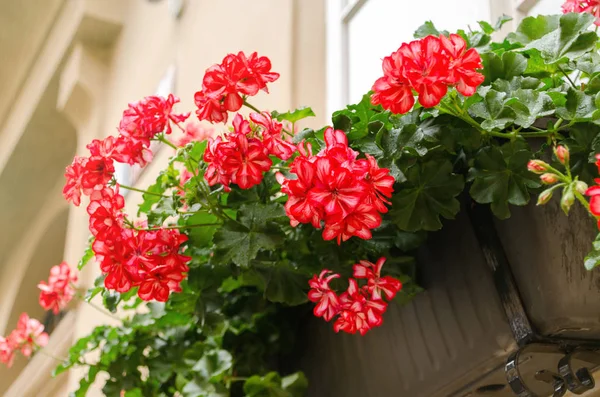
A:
(73, 187)
(462, 70)
(336, 190)
(271, 136)
(320, 293)
(144, 119)
(426, 69)
(393, 90)
(357, 223)
(159, 282)
(377, 284)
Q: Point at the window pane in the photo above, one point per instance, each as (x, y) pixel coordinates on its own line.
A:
(381, 26)
(547, 7)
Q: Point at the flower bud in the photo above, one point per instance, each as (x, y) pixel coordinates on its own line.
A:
(549, 179)
(567, 200)
(544, 197)
(537, 166)
(580, 186)
(562, 154)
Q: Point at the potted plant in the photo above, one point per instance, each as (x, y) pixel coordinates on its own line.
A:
(246, 225)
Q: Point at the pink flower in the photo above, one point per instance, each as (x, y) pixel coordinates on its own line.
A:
(7, 351)
(194, 132)
(580, 6)
(28, 335)
(59, 290)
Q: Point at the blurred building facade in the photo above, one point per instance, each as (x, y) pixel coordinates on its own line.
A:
(69, 68)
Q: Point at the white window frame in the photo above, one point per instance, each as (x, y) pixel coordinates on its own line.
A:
(340, 13)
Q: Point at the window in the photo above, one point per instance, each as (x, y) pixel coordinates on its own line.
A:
(361, 32)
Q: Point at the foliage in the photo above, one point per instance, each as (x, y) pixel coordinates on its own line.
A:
(233, 323)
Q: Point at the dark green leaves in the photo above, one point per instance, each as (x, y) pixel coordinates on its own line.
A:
(500, 177)
(592, 259)
(272, 385)
(360, 119)
(429, 192)
(240, 242)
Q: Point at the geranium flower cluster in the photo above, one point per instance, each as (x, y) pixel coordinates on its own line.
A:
(148, 259)
(334, 187)
(60, 288)
(580, 6)
(226, 85)
(594, 193)
(26, 338)
(359, 308)
(243, 156)
(428, 66)
(141, 122)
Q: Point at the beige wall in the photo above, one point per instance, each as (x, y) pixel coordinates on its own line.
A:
(97, 56)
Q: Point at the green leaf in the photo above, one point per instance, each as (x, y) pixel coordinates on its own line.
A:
(213, 364)
(294, 115)
(357, 119)
(240, 243)
(500, 177)
(111, 300)
(428, 193)
(296, 384)
(283, 284)
(201, 237)
(534, 28)
(529, 105)
(579, 106)
(592, 259)
(269, 385)
(492, 109)
(87, 255)
(583, 143)
(98, 288)
(137, 392)
(557, 39)
(86, 381)
(425, 30)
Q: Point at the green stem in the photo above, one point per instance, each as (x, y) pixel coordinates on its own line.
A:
(135, 189)
(251, 106)
(178, 226)
(43, 352)
(582, 200)
(566, 75)
(164, 140)
(99, 309)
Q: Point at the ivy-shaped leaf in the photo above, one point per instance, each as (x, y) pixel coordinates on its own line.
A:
(427, 29)
(500, 177)
(283, 284)
(509, 65)
(493, 111)
(578, 107)
(357, 120)
(240, 243)
(429, 192)
(583, 143)
(557, 39)
(529, 105)
(213, 364)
